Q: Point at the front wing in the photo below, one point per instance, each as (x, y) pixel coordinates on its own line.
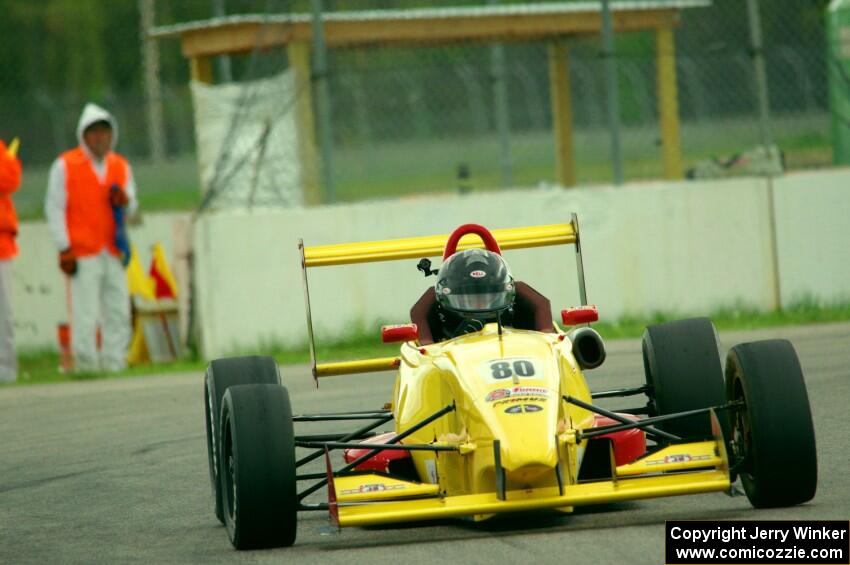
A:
(679, 469)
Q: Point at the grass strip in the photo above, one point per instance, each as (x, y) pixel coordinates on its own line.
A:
(43, 366)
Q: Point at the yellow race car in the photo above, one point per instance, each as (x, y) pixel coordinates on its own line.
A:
(492, 413)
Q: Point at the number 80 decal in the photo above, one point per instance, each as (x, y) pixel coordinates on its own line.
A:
(501, 369)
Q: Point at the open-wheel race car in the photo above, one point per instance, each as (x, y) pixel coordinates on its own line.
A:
(491, 412)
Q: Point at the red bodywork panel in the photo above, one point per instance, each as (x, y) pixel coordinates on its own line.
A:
(580, 315)
(628, 444)
(399, 332)
(381, 460)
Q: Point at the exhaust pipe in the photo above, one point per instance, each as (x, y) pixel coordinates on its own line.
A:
(588, 348)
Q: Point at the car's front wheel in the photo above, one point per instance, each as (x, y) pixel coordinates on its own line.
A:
(772, 436)
(257, 467)
(222, 374)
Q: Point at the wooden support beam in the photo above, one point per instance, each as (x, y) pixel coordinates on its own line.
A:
(562, 113)
(243, 37)
(201, 69)
(668, 104)
(299, 62)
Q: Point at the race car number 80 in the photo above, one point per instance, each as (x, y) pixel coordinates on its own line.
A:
(499, 369)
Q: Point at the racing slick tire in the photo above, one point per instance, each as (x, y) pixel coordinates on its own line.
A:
(681, 361)
(772, 434)
(221, 374)
(259, 496)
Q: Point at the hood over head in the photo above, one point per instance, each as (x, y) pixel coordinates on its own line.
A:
(93, 113)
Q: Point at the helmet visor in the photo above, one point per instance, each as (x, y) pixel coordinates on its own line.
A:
(478, 299)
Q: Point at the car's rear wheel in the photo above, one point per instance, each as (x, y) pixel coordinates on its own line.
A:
(259, 495)
(772, 435)
(222, 374)
(682, 366)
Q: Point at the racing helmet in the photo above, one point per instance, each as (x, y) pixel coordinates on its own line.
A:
(475, 283)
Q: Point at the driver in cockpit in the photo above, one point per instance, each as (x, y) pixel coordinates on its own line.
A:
(474, 287)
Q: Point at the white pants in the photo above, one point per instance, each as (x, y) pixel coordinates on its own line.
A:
(8, 360)
(99, 292)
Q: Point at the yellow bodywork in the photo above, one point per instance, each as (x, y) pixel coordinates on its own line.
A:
(507, 391)
(533, 499)
(491, 380)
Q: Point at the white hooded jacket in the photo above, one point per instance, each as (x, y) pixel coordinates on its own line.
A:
(57, 198)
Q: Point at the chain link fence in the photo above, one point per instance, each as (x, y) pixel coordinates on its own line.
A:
(424, 119)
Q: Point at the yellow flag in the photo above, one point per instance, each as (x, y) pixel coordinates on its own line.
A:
(138, 282)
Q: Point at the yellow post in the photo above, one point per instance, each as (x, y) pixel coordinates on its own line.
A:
(299, 61)
(562, 114)
(668, 105)
(201, 68)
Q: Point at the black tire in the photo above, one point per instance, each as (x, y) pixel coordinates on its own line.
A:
(681, 362)
(259, 495)
(222, 374)
(772, 436)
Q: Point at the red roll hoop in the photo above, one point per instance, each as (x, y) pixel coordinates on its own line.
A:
(489, 241)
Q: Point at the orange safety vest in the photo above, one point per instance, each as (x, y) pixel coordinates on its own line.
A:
(88, 213)
(10, 178)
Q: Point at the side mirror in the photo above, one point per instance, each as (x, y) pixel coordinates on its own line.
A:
(579, 315)
(400, 332)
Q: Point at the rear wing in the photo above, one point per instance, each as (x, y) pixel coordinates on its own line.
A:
(417, 248)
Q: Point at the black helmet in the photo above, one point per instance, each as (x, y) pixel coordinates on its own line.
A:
(475, 282)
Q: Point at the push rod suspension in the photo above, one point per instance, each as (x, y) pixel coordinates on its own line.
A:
(622, 419)
(376, 446)
(331, 437)
(355, 434)
(620, 392)
(413, 429)
(330, 417)
(602, 430)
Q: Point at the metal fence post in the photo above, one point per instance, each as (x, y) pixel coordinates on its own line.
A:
(757, 51)
(223, 60)
(323, 101)
(153, 91)
(500, 107)
(613, 91)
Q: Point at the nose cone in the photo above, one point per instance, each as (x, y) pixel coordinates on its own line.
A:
(525, 424)
(513, 386)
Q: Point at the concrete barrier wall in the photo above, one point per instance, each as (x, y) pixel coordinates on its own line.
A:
(683, 247)
(813, 235)
(39, 287)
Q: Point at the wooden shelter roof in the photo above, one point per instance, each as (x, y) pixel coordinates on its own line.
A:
(517, 22)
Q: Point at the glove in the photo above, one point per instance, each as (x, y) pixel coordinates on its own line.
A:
(117, 197)
(67, 262)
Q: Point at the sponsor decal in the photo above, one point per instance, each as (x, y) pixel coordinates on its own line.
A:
(477, 274)
(678, 458)
(518, 400)
(373, 487)
(523, 409)
(538, 392)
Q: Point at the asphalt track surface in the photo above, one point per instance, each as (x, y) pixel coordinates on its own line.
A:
(115, 471)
